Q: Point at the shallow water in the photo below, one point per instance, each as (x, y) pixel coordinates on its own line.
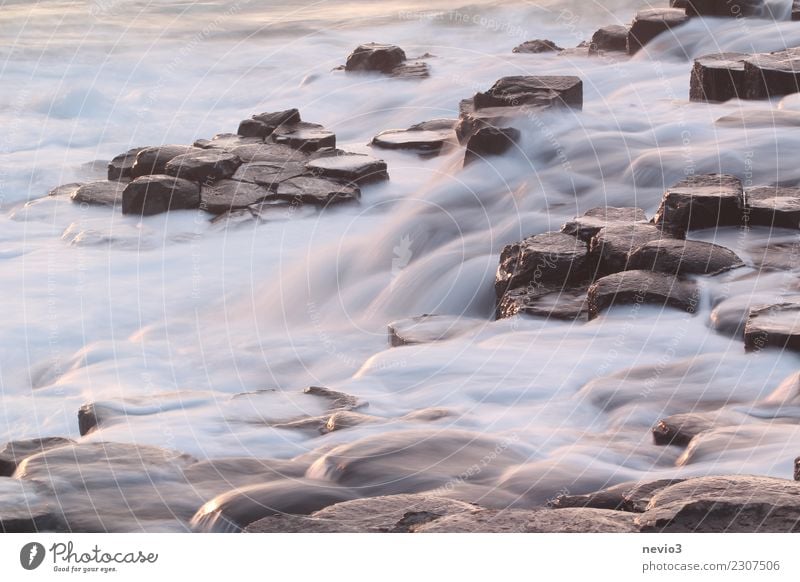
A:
(167, 318)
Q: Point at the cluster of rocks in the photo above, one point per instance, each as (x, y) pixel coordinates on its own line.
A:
(724, 76)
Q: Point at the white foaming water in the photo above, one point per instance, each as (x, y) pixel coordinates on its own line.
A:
(168, 317)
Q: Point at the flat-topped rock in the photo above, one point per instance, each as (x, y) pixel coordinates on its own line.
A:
(226, 141)
(428, 137)
(381, 58)
(563, 304)
(543, 260)
(612, 245)
(537, 46)
(630, 496)
(153, 160)
(99, 193)
(120, 167)
(203, 166)
(263, 124)
(304, 136)
(227, 195)
(532, 90)
(159, 193)
(718, 77)
(773, 206)
(269, 174)
(355, 168)
(772, 74)
(490, 141)
(701, 201)
(641, 287)
(14, 452)
(427, 328)
(678, 257)
(268, 152)
(648, 24)
(609, 38)
(773, 326)
(313, 190)
(589, 224)
(724, 8)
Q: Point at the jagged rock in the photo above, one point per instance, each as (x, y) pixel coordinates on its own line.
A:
(612, 245)
(569, 520)
(203, 166)
(648, 24)
(730, 503)
(773, 206)
(263, 124)
(311, 190)
(718, 77)
(727, 8)
(543, 260)
(100, 193)
(377, 57)
(427, 328)
(679, 257)
(428, 137)
(121, 166)
(159, 193)
(269, 174)
(701, 201)
(153, 160)
(490, 141)
(566, 304)
(632, 497)
(590, 223)
(268, 152)
(303, 136)
(227, 195)
(533, 91)
(537, 46)
(14, 452)
(609, 38)
(355, 168)
(773, 326)
(24, 508)
(65, 189)
(772, 74)
(641, 287)
(227, 141)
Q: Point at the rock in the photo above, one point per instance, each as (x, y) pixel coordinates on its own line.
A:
(263, 124)
(416, 70)
(99, 193)
(760, 119)
(543, 260)
(641, 287)
(355, 168)
(795, 10)
(427, 328)
(681, 257)
(381, 58)
(533, 91)
(718, 77)
(729, 503)
(472, 119)
(773, 326)
(727, 8)
(773, 206)
(648, 24)
(159, 193)
(680, 429)
(632, 497)
(609, 38)
(121, 166)
(268, 152)
(235, 510)
(227, 141)
(490, 141)
(14, 452)
(729, 316)
(203, 166)
(701, 201)
(589, 224)
(797, 469)
(343, 419)
(227, 195)
(563, 304)
(303, 136)
(772, 74)
(678, 3)
(65, 189)
(336, 400)
(269, 174)
(570, 520)
(254, 128)
(153, 160)
(428, 137)
(537, 46)
(311, 190)
(25, 508)
(611, 247)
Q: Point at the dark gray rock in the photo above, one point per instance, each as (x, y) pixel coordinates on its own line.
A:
(227, 141)
(537, 46)
(631, 496)
(227, 195)
(609, 38)
(427, 328)
(563, 304)
(773, 326)
(207, 165)
(312, 190)
(153, 160)
(772, 74)
(795, 10)
(159, 193)
(472, 120)
(263, 124)
(718, 77)
(701, 201)
(381, 58)
(679, 257)
(532, 91)
(428, 137)
(724, 8)
(336, 400)
(99, 193)
(303, 136)
(14, 452)
(65, 189)
(269, 174)
(648, 24)
(641, 287)
(680, 429)
(268, 152)
(254, 128)
(611, 247)
(355, 168)
(490, 141)
(121, 166)
(773, 206)
(590, 223)
(797, 469)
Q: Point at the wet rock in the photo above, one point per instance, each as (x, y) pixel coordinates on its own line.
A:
(303, 136)
(92, 415)
(641, 287)
(724, 8)
(203, 166)
(731, 504)
(797, 469)
(14, 452)
(153, 160)
(268, 152)
(427, 328)
(490, 141)
(569, 520)
(254, 128)
(563, 304)
(609, 38)
(263, 124)
(269, 174)
(679, 257)
(773, 326)
(760, 119)
(532, 91)
(343, 419)
(632, 497)
(312, 190)
(355, 168)
(537, 46)
(99, 193)
(680, 429)
(336, 400)
(612, 245)
(381, 58)
(65, 189)
(718, 77)
(25, 508)
(228, 195)
(472, 120)
(590, 223)
(701, 201)
(543, 260)
(227, 141)
(773, 206)
(648, 24)
(121, 166)
(729, 316)
(154, 194)
(772, 74)
(795, 10)
(428, 137)
(415, 70)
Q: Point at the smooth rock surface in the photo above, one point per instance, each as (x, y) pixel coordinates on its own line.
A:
(428, 328)
(564, 304)
(312, 190)
(100, 193)
(641, 287)
(14, 452)
(355, 168)
(701, 201)
(303, 136)
(724, 8)
(381, 58)
(26, 507)
(533, 91)
(611, 247)
(204, 166)
(269, 174)
(227, 195)
(428, 137)
(154, 194)
(680, 257)
(268, 152)
(153, 160)
(772, 74)
(120, 167)
(227, 141)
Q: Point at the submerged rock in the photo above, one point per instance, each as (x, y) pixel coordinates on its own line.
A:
(718, 77)
(679, 257)
(590, 223)
(648, 24)
(632, 497)
(564, 304)
(537, 46)
(14, 452)
(159, 193)
(65, 189)
(773, 326)
(773, 206)
(427, 328)
(701, 201)
(120, 167)
(203, 166)
(609, 38)
(489, 141)
(428, 137)
(641, 287)
(99, 193)
(153, 160)
(680, 429)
